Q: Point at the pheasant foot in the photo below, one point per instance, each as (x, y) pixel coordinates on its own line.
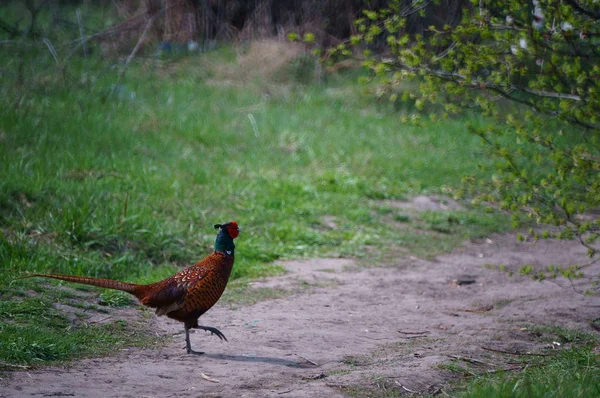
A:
(214, 331)
(188, 345)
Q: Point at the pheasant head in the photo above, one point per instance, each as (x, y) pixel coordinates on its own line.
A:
(227, 233)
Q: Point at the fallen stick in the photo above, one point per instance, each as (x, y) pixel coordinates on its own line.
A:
(308, 360)
(205, 377)
(512, 352)
(285, 392)
(405, 388)
(101, 320)
(510, 369)
(315, 377)
(14, 365)
(472, 360)
(485, 309)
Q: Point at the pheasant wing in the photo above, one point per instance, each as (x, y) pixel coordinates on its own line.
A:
(169, 295)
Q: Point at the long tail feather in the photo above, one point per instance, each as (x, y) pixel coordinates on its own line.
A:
(99, 282)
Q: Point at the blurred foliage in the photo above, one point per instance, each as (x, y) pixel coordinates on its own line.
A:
(534, 67)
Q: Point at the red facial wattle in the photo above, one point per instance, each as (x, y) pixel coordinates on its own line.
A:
(233, 230)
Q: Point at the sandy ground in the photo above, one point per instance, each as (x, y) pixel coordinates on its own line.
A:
(343, 326)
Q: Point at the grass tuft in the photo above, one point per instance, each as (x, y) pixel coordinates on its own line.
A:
(570, 373)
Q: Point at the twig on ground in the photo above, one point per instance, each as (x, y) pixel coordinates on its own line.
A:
(511, 352)
(403, 332)
(376, 339)
(101, 320)
(483, 309)
(405, 388)
(315, 377)
(472, 360)
(285, 392)
(308, 360)
(510, 369)
(205, 377)
(14, 365)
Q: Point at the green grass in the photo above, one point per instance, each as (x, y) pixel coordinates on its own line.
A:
(570, 373)
(43, 344)
(124, 186)
(126, 183)
(33, 332)
(573, 370)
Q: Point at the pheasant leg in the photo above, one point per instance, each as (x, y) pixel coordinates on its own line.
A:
(188, 346)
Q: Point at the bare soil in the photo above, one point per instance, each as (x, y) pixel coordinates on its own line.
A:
(345, 327)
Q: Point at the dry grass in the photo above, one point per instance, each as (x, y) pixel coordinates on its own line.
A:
(265, 57)
(259, 62)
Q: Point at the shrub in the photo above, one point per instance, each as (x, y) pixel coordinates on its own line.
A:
(542, 56)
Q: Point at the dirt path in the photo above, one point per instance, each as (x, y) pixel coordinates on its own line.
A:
(346, 327)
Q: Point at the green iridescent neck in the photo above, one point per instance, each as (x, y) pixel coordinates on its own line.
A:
(224, 243)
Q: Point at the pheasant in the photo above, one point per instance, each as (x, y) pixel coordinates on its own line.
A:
(186, 295)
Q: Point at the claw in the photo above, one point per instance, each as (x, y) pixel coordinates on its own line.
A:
(214, 331)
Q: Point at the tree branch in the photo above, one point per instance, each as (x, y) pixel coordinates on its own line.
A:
(549, 94)
(504, 91)
(582, 10)
(136, 48)
(462, 79)
(411, 9)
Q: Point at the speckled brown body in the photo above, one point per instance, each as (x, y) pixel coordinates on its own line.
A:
(191, 292)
